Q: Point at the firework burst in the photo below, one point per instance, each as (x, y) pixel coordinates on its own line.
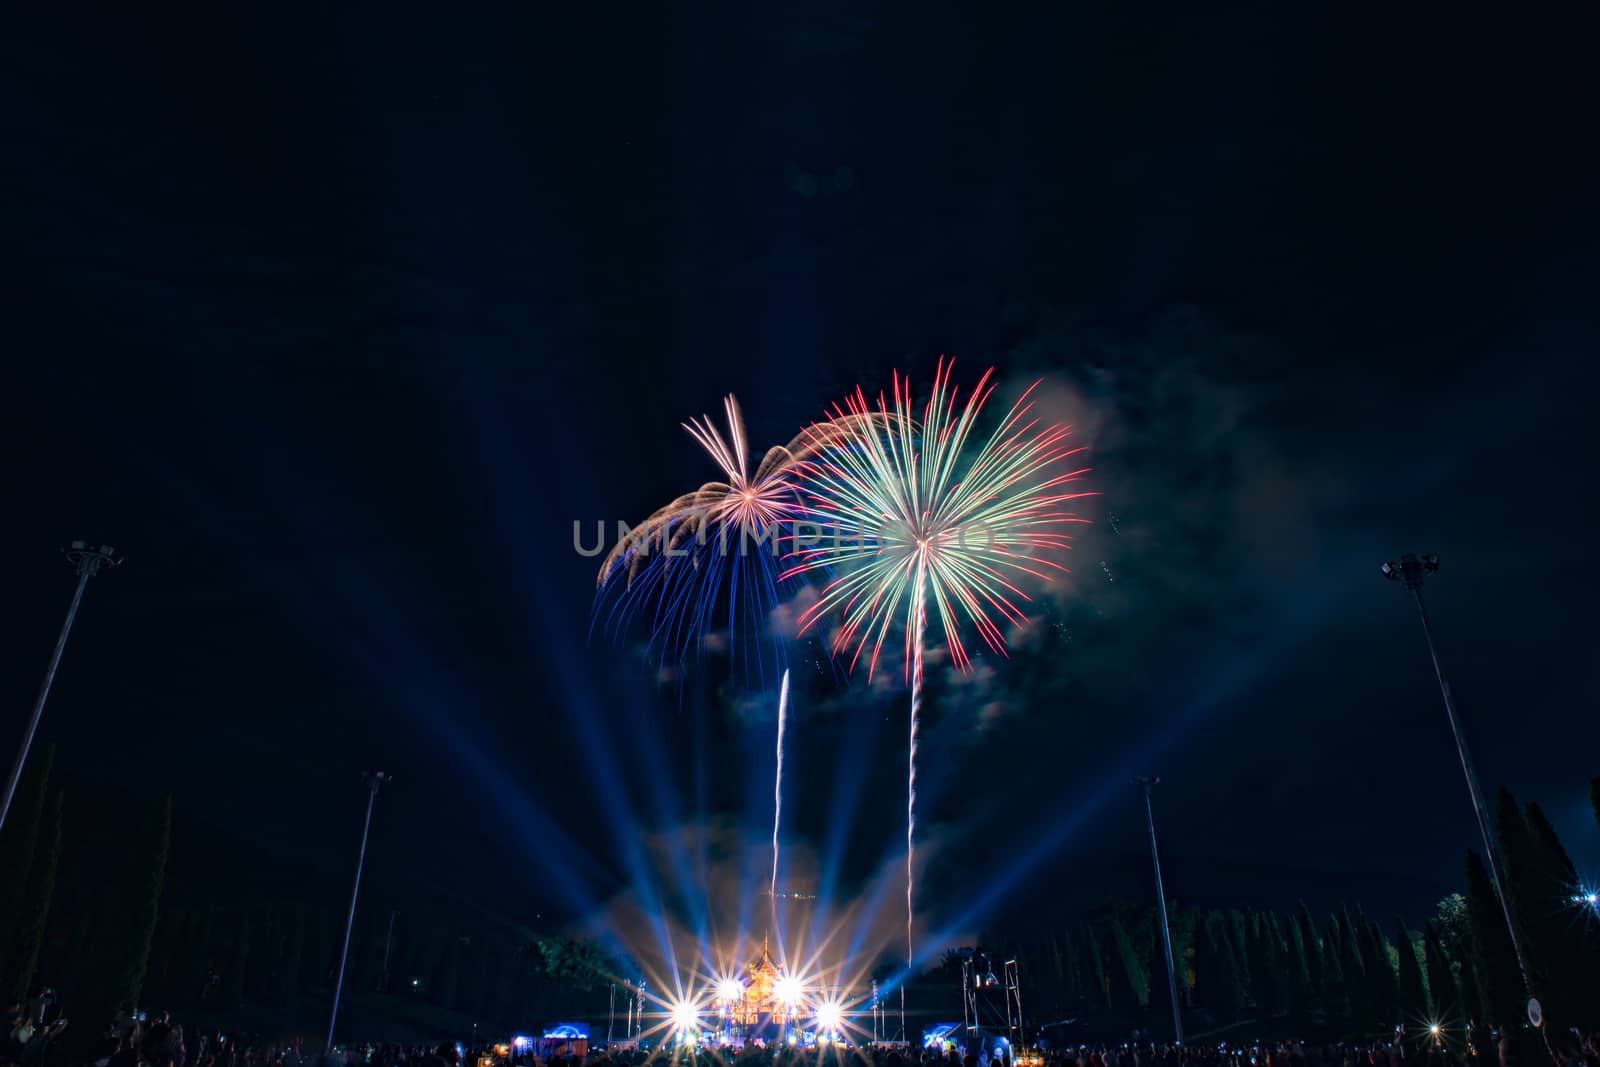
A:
(719, 540)
(910, 511)
(913, 512)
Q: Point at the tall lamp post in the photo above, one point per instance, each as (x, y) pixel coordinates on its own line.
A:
(1161, 903)
(374, 780)
(1410, 570)
(87, 562)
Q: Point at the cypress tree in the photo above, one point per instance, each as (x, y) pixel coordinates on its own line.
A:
(1218, 979)
(1335, 995)
(1414, 1004)
(1256, 952)
(1354, 969)
(1299, 984)
(1097, 968)
(126, 953)
(1238, 936)
(1500, 988)
(1382, 977)
(1313, 947)
(149, 878)
(1276, 956)
(1443, 1003)
(1236, 980)
(1521, 878)
(1134, 970)
(23, 958)
(18, 844)
(1566, 947)
(1469, 987)
(1072, 986)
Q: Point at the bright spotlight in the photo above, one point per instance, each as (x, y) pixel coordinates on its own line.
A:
(789, 989)
(829, 1015)
(1434, 1029)
(730, 990)
(685, 1017)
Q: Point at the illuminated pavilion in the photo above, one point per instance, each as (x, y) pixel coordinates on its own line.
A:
(759, 1002)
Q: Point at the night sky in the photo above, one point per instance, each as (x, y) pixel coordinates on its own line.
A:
(334, 322)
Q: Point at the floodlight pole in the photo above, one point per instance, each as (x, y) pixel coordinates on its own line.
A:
(1411, 570)
(1161, 903)
(87, 562)
(374, 780)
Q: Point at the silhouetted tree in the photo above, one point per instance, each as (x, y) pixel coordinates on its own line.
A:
(1097, 966)
(1494, 961)
(19, 840)
(1299, 978)
(1521, 863)
(1566, 947)
(135, 905)
(1413, 987)
(1313, 947)
(1218, 979)
(1335, 996)
(1383, 1003)
(23, 958)
(1443, 1000)
(1135, 971)
(1354, 969)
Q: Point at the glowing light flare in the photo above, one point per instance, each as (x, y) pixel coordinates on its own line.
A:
(789, 989)
(685, 1017)
(730, 990)
(830, 1014)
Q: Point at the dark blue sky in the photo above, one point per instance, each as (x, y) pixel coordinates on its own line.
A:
(336, 320)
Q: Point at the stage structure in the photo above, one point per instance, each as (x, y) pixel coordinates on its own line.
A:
(984, 1020)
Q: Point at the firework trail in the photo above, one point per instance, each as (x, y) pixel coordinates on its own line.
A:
(777, 795)
(905, 514)
(921, 623)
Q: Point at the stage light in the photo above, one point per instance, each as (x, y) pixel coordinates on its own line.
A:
(789, 989)
(791, 1039)
(685, 1017)
(1434, 1029)
(730, 990)
(829, 1015)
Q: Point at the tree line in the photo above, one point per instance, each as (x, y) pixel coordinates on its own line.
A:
(1340, 975)
(123, 941)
